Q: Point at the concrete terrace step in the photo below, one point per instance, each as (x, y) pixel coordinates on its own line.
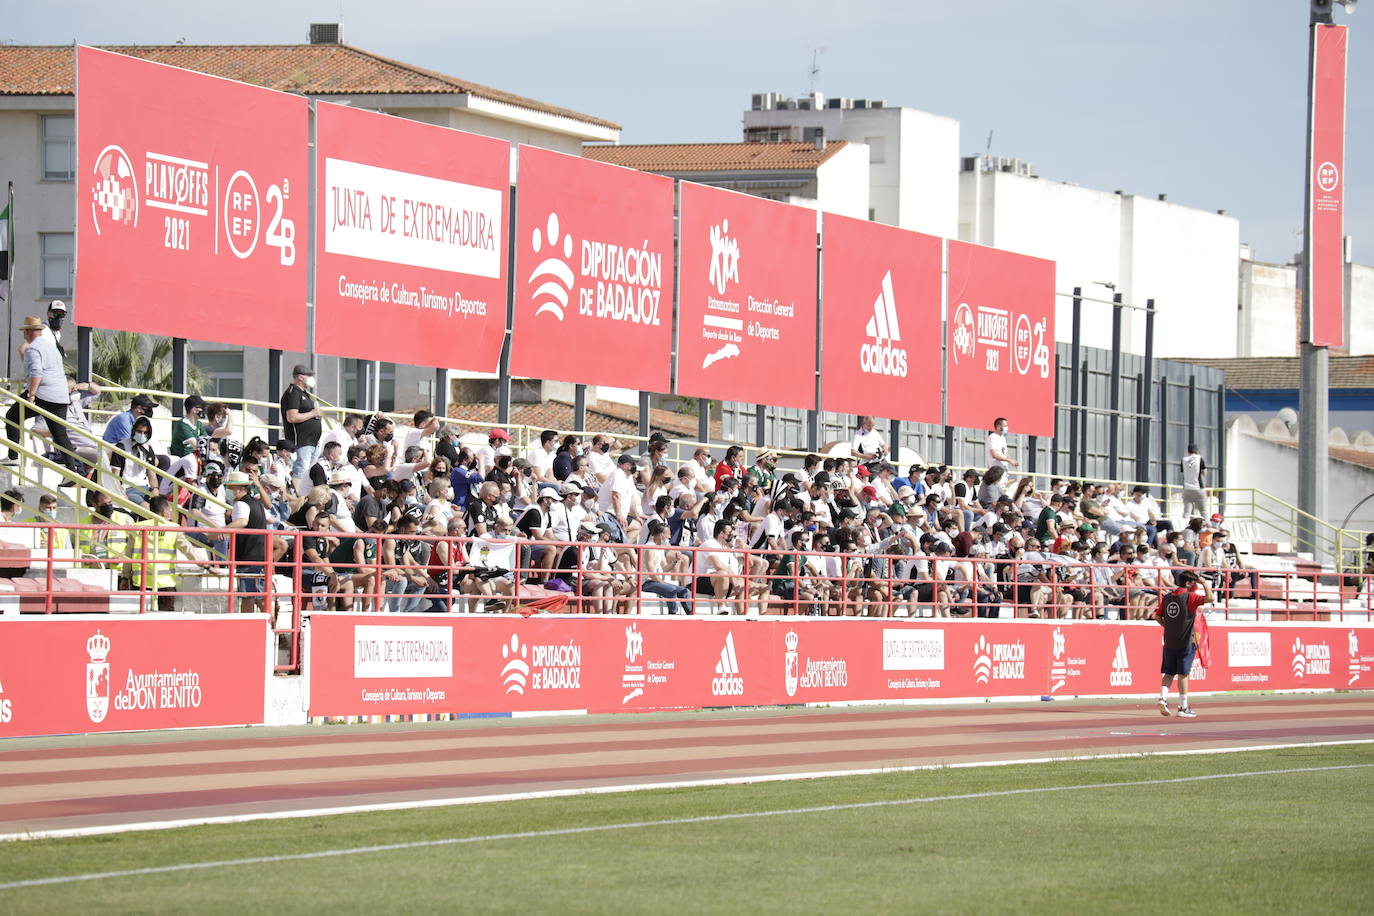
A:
(69, 596)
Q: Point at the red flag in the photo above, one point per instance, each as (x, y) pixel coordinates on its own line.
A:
(1203, 640)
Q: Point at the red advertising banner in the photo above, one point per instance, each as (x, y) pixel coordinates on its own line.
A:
(364, 665)
(747, 299)
(594, 273)
(69, 675)
(411, 247)
(1326, 187)
(880, 321)
(191, 204)
(1000, 360)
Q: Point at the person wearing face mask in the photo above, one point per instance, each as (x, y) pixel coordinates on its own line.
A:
(301, 422)
(132, 474)
(107, 543)
(997, 446)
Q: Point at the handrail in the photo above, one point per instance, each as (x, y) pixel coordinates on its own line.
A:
(116, 495)
(102, 447)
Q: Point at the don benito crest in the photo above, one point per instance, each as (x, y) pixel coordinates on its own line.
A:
(98, 677)
(791, 675)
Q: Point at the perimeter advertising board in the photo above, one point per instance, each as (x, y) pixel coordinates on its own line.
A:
(594, 273)
(411, 259)
(747, 303)
(1000, 357)
(70, 675)
(191, 204)
(1326, 186)
(880, 320)
(360, 665)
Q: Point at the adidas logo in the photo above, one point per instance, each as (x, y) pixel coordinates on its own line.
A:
(1121, 665)
(727, 682)
(882, 358)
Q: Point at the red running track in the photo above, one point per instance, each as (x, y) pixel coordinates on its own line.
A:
(109, 782)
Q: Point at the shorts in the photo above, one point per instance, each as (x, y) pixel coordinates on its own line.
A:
(1178, 661)
(704, 586)
(248, 580)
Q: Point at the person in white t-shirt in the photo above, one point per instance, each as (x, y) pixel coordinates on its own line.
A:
(541, 457)
(700, 467)
(599, 459)
(1194, 484)
(868, 444)
(618, 499)
(997, 446)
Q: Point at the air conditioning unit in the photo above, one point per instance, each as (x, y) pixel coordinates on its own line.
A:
(326, 33)
(765, 101)
(861, 103)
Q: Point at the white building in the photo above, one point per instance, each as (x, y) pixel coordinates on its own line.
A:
(913, 155)
(37, 149)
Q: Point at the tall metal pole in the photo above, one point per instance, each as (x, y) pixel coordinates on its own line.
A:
(1147, 391)
(1114, 419)
(1074, 405)
(503, 370)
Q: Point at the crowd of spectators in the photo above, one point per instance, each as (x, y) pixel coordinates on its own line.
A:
(411, 518)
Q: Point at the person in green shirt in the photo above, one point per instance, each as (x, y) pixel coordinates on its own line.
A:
(189, 427)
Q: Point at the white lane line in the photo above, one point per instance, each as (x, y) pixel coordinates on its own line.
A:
(206, 820)
(667, 822)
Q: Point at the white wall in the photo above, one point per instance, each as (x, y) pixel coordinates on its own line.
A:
(842, 182)
(1252, 461)
(1186, 260)
(1360, 306)
(1267, 324)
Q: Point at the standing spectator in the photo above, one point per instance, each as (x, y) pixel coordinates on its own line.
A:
(1176, 613)
(249, 550)
(997, 446)
(189, 427)
(79, 396)
(868, 444)
(47, 388)
(301, 422)
(1194, 484)
(446, 444)
(619, 501)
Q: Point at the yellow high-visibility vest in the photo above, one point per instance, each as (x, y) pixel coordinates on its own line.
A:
(159, 545)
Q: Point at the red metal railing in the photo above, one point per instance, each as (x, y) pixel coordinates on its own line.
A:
(604, 577)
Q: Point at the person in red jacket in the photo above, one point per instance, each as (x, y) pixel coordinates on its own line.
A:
(1176, 613)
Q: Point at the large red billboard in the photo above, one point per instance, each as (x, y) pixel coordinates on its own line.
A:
(594, 273)
(191, 204)
(880, 320)
(411, 245)
(366, 665)
(747, 299)
(1326, 187)
(1000, 357)
(69, 675)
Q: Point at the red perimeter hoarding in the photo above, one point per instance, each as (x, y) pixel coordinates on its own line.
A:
(191, 204)
(70, 675)
(594, 273)
(412, 247)
(747, 302)
(1001, 340)
(361, 664)
(880, 321)
(1326, 187)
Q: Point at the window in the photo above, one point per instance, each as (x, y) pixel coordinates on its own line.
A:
(351, 373)
(225, 368)
(59, 147)
(57, 249)
(877, 148)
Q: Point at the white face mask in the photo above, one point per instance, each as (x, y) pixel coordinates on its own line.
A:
(310, 382)
(140, 438)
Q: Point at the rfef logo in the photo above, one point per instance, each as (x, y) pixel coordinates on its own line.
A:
(883, 357)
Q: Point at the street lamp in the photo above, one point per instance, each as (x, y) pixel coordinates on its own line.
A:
(1322, 260)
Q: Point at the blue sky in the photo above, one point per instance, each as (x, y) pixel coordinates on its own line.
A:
(1204, 101)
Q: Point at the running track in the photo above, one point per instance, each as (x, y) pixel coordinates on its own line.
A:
(113, 781)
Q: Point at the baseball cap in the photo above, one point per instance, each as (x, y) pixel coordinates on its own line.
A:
(905, 492)
(340, 477)
(864, 471)
(302, 369)
(898, 509)
(626, 458)
(870, 492)
(1216, 518)
(498, 433)
(548, 490)
(57, 305)
(822, 479)
(193, 401)
(142, 400)
(286, 445)
(570, 489)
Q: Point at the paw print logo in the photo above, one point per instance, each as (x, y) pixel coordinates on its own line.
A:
(982, 660)
(516, 674)
(963, 336)
(556, 272)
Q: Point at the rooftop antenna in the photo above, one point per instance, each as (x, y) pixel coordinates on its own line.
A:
(815, 70)
(987, 154)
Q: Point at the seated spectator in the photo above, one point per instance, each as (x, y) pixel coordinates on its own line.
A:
(120, 426)
(134, 476)
(732, 465)
(189, 427)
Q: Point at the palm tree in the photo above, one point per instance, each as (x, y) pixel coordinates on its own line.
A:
(130, 360)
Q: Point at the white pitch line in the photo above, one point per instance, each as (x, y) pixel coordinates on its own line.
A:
(414, 804)
(668, 822)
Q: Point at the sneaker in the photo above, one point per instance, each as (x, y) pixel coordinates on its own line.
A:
(1164, 708)
(1186, 712)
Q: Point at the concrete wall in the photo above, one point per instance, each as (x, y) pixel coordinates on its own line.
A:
(1267, 323)
(1252, 461)
(1359, 303)
(842, 185)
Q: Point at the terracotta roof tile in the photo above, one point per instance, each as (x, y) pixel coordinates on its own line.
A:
(1348, 454)
(714, 157)
(320, 70)
(1259, 373)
